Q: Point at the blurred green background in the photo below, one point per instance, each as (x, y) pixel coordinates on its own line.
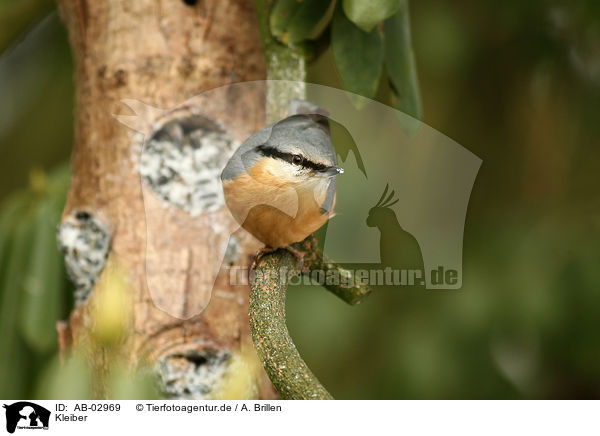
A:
(517, 83)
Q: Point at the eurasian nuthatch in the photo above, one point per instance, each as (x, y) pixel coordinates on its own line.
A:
(280, 183)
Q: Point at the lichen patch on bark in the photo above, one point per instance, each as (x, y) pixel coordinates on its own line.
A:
(85, 243)
(193, 375)
(182, 162)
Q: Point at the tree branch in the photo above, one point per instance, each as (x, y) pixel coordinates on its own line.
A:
(286, 68)
(343, 284)
(288, 372)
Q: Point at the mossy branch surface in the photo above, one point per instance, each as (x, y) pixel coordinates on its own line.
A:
(286, 68)
(288, 372)
(346, 286)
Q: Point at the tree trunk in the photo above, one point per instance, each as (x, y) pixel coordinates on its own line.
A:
(124, 204)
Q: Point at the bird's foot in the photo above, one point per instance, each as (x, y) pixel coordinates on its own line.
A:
(260, 254)
(298, 255)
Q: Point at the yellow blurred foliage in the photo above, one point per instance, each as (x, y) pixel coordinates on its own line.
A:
(240, 381)
(112, 305)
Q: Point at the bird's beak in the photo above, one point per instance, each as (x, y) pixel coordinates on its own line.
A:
(332, 171)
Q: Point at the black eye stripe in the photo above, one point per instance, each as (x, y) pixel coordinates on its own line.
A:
(265, 150)
(313, 165)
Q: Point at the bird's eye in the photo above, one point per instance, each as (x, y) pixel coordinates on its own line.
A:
(297, 159)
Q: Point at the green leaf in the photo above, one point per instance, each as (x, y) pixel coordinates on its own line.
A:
(17, 16)
(9, 214)
(293, 21)
(125, 383)
(66, 381)
(400, 63)
(14, 373)
(43, 298)
(366, 14)
(358, 57)
(19, 223)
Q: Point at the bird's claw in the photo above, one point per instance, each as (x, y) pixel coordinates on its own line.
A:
(298, 255)
(259, 255)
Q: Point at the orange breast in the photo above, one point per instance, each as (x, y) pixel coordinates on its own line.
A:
(271, 211)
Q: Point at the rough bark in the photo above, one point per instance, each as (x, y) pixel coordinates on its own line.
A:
(292, 378)
(290, 375)
(162, 53)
